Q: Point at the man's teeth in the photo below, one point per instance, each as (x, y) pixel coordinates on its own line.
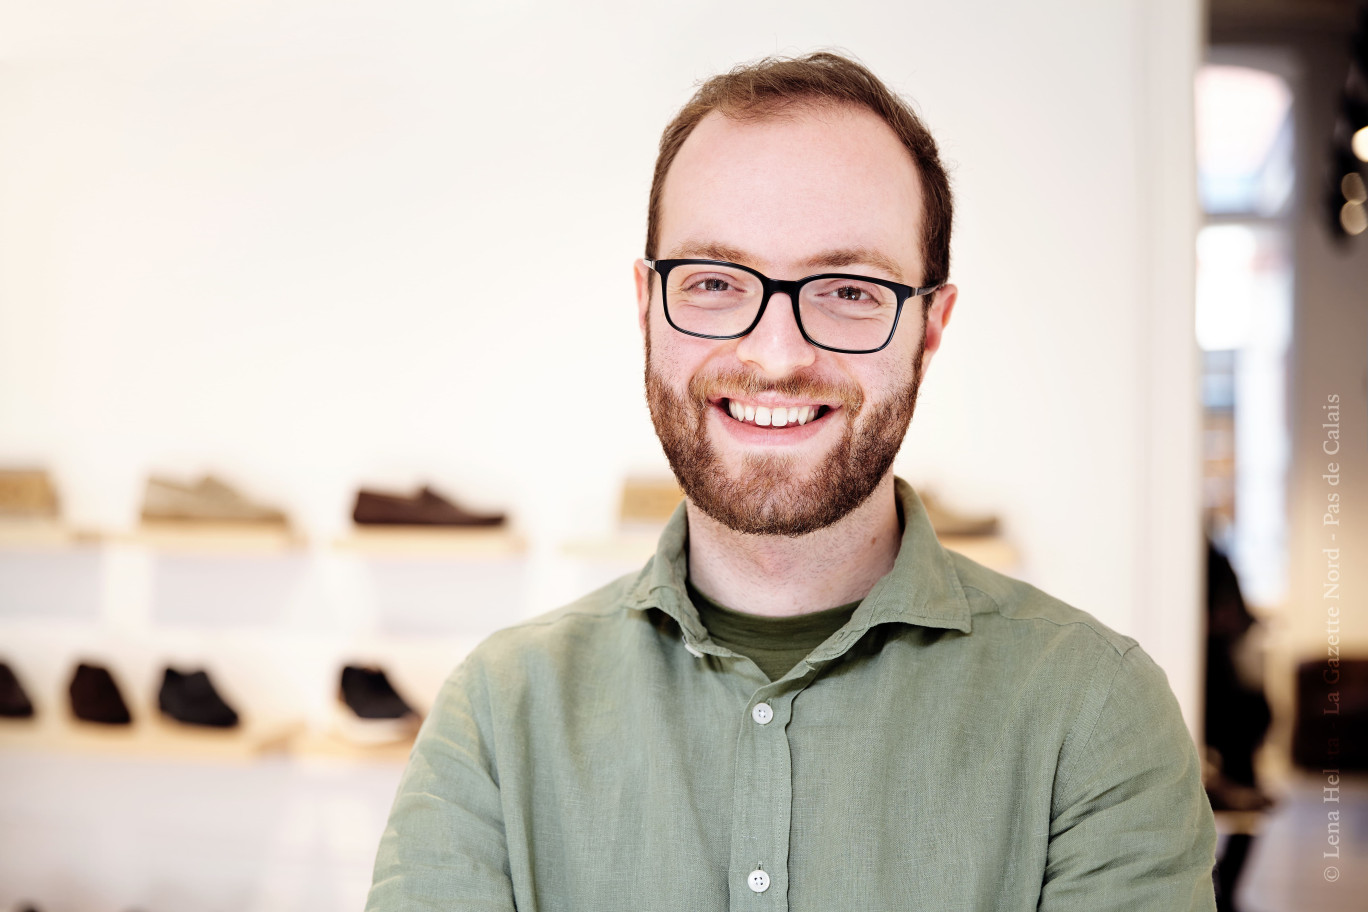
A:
(764, 416)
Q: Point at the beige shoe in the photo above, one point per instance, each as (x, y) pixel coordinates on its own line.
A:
(649, 500)
(947, 522)
(208, 500)
(27, 494)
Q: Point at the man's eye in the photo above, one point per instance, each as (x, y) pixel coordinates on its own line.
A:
(711, 284)
(852, 293)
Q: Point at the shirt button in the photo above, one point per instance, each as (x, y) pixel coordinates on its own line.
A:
(758, 880)
(762, 713)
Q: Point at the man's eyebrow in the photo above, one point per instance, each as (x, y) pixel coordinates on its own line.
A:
(836, 258)
(707, 250)
(853, 256)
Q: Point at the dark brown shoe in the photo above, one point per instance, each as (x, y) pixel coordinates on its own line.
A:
(96, 698)
(14, 703)
(190, 698)
(426, 508)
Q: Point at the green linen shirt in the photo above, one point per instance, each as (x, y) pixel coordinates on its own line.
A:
(963, 742)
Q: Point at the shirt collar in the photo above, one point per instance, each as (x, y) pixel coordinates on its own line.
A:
(922, 588)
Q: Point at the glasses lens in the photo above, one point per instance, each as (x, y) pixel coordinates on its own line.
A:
(848, 312)
(712, 299)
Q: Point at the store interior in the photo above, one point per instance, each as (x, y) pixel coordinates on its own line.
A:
(293, 297)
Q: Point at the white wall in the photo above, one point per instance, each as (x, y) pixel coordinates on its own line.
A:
(315, 244)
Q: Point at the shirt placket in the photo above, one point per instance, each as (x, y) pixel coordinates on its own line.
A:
(763, 801)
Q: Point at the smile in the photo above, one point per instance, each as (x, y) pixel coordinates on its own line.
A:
(772, 415)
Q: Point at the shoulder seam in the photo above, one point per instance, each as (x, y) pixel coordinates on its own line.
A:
(1075, 623)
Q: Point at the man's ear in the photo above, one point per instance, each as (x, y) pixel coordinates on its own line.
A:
(644, 278)
(937, 318)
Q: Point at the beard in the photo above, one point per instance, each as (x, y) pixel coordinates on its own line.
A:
(770, 493)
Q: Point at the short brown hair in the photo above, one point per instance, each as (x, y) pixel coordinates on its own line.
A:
(770, 85)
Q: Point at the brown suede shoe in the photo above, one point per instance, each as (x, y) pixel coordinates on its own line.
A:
(947, 522)
(426, 508)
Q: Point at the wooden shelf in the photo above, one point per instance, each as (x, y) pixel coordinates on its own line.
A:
(43, 534)
(213, 538)
(329, 745)
(153, 736)
(150, 735)
(433, 541)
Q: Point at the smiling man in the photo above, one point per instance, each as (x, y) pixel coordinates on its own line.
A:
(802, 702)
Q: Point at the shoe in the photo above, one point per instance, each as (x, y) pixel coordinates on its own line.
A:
(208, 500)
(649, 500)
(192, 700)
(372, 712)
(14, 703)
(96, 698)
(947, 522)
(426, 508)
(27, 494)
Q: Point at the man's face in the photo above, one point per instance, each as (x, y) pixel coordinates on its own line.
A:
(818, 190)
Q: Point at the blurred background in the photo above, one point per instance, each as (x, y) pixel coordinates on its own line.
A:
(257, 258)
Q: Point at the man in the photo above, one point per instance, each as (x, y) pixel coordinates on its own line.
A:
(802, 701)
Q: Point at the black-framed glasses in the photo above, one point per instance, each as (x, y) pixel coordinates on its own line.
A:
(850, 314)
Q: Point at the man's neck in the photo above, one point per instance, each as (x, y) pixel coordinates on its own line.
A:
(777, 576)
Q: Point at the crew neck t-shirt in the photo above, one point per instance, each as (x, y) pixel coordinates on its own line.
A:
(775, 644)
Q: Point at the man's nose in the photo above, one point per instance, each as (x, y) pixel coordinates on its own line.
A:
(776, 346)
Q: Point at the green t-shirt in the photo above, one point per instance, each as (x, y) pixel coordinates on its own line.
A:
(776, 644)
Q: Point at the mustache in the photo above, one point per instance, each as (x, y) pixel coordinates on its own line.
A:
(732, 384)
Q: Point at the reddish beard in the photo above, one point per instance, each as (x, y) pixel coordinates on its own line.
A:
(768, 494)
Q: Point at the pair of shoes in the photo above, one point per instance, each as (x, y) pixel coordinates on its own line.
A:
(370, 710)
(426, 508)
(207, 500)
(27, 494)
(946, 521)
(186, 698)
(14, 702)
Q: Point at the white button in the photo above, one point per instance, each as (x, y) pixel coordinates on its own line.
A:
(762, 713)
(758, 880)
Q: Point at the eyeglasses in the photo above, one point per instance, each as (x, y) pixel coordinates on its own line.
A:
(850, 314)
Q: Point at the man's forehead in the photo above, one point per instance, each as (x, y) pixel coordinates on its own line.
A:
(812, 186)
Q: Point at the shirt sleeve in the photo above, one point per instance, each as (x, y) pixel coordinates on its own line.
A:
(444, 846)
(1131, 828)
